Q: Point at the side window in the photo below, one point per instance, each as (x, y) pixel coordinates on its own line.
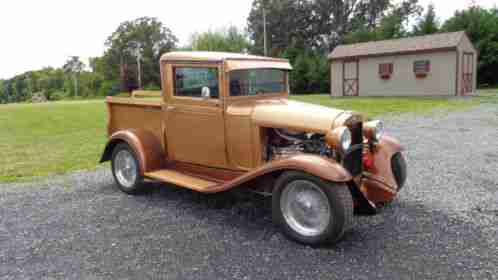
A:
(190, 81)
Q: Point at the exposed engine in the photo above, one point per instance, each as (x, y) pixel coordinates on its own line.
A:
(284, 143)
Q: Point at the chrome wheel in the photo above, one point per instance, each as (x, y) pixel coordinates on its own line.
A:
(125, 168)
(305, 208)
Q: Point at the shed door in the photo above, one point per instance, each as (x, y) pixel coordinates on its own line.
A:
(467, 73)
(350, 73)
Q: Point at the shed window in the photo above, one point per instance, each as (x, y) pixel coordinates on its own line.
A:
(421, 68)
(385, 70)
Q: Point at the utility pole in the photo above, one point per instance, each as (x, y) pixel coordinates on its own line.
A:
(264, 32)
(136, 49)
(139, 65)
(74, 67)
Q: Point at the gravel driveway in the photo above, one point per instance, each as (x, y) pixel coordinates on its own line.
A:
(444, 224)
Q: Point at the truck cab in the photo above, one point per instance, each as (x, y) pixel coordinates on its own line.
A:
(208, 101)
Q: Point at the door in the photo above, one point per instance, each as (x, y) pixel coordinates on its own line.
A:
(350, 85)
(194, 116)
(467, 73)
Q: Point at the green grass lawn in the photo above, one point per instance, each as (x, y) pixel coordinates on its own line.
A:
(54, 138)
(51, 138)
(375, 106)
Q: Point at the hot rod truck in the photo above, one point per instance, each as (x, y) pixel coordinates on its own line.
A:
(225, 121)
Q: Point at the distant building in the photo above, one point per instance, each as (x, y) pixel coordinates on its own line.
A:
(441, 64)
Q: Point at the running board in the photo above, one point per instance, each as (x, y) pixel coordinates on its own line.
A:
(182, 179)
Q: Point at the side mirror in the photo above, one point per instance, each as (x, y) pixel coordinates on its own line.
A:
(206, 92)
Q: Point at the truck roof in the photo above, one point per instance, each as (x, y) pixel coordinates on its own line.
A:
(214, 56)
(232, 61)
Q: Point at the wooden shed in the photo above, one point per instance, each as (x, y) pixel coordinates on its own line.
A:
(441, 64)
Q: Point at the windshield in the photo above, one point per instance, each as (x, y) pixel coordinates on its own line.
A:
(257, 81)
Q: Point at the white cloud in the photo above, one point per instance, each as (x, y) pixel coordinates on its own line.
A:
(37, 33)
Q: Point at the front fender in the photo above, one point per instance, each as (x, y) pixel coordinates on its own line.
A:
(321, 167)
(145, 144)
(379, 181)
(327, 169)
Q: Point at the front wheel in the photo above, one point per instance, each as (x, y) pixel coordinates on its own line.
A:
(311, 210)
(126, 170)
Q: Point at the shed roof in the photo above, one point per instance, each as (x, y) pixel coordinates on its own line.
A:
(434, 42)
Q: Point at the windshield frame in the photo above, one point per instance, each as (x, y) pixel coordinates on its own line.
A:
(285, 91)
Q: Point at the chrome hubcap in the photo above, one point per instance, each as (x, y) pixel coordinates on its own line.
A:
(305, 207)
(125, 168)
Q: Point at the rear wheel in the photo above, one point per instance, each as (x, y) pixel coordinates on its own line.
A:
(126, 170)
(310, 210)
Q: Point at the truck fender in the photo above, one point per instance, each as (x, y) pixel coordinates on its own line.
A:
(145, 144)
(382, 154)
(379, 181)
(327, 169)
(324, 168)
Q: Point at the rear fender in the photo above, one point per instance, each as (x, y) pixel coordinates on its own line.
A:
(144, 143)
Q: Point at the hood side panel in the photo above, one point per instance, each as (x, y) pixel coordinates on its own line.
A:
(294, 115)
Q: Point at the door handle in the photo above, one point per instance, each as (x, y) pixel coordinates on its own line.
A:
(170, 108)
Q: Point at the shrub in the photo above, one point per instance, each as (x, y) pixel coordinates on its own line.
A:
(152, 87)
(57, 95)
(109, 88)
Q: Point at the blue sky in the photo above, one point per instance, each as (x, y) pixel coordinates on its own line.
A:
(44, 33)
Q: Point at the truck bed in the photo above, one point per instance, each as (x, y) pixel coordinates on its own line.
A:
(134, 112)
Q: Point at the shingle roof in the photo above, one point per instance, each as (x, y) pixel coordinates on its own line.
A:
(440, 41)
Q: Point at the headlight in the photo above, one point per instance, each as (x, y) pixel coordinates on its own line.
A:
(373, 130)
(339, 139)
(345, 139)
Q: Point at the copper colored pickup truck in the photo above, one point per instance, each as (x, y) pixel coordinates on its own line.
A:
(225, 121)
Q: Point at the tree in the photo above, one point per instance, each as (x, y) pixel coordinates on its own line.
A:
(334, 19)
(392, 25)
(96, 65)
(3, 96)
(230, 40)
(152, 38)
(73, 67)
(311, 71)
(428, 24)
(323, 24)
(480, 25)
(288, 24)
(305, 31)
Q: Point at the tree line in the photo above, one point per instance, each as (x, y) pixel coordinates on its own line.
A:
(304, 31)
